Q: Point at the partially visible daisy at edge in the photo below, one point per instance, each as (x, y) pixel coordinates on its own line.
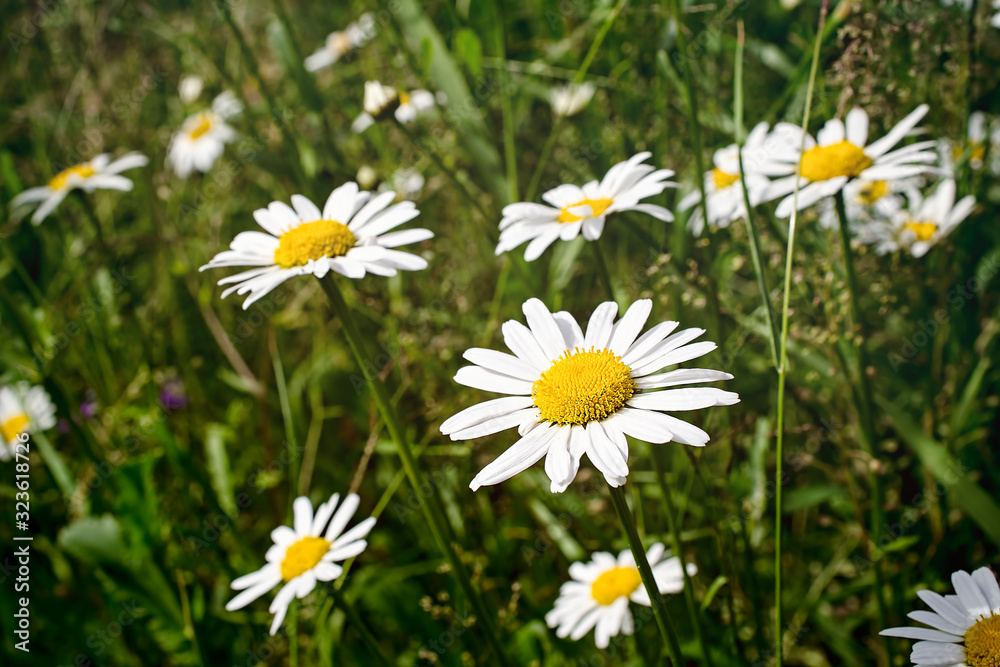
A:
(573, 210)
(570, 100)
(922, 224)
(23, 409)
(100, 173)
(341, 42)
(351, 236)
(304, 554)
(598, 595)
(841, 152)
(203, 136)
(573, 393)
(381, 101)
(965, 627)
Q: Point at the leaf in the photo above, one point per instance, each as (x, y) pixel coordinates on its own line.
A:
(218, 467)
(810, 496)
(470, 50)
(563, 257)
(716, 586)
(901, 544)
(95, 540)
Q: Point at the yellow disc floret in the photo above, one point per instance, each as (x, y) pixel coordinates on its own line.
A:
(923, 230)
(597, 206)
(615, 583)
(583, 386)
(872, 192)
(60, 180)
(821, 163)
(13, 427)
(303, 556)
(312, 241)
(982, 642)
(723, 179)
(202, 128)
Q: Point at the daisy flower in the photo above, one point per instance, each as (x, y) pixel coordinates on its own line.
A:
(574, 209)
(349, 237)
(202, 138)
(304, 554)
(189, 88)
(597, 597)
(573, 393)
(723, 189)
(966, 626)
(405, 182)
(354, 36)
(866, 203)
(97, 174)
(842, 152)
(570, 100)
(975, 145)
(381, 100)
(995, 21)
(923, 224)
(23, 409)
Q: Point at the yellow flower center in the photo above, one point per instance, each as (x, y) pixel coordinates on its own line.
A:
(313, 240)
(923, 230)
(203, 126)
(821, 163)
(723, 179)
(982, 642)
(60, 180)
(13, 427)
(598, 206)
(303, 556)
(404, 98)
(616, 583)
(583, 386)
(339, 43)
(977, 154)
(872, 192)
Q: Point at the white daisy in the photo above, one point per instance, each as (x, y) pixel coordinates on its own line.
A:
(354, 36)
(202, 138)
(381, 100)
(97, 174)
(405, 182)
(866, 203)
(189, 88)
(995, 21)
(304, 554)
(966, 626)
(23, 409)
(841, 153)
(570, 100)
(922, 224)
(349, 237)
(975, 145)
(723, 188)
(574, 209)
(573, 393)
(599, 593)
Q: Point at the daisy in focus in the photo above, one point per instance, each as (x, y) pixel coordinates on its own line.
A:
(597, 597)
(380, 101)
(351, 236)
(341, 42)
(573, 393)
(570, 100)
(23, 409)
(203, 136)
(304, 554)
(573, 209)
(965, 628)
(925, 222)
(841, 152)
(97, 174)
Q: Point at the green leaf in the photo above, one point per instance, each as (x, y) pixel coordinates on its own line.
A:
(716, 586)
(95, 540)
(470, 50)
(218, 467)
(809, 496)
(902, 544)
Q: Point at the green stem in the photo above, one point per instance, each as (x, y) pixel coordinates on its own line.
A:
(602, 269)
(509, 152)
(675, 537)
(367, 638)
(431, 505)
(293, 633)
(646, 572)
(286, 415)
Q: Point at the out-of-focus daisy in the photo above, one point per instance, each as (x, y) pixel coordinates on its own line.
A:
(23, 409)
(190, 88)
(974, 146)
(351, 236)
(202, 138)
(573, 393)
(841, 153)
(966, 626)
(995, 21)
(866, 202)
(570, 100)
(304, 554)
(923, 223)
(574, 209)
(97, 174)
(380, 101)
(354, 36)
(405, 182)
(597, 597)
(723, 189)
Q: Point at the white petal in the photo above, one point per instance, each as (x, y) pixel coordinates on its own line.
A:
(520, 456)
(628, 327)
(481, 378)
(485, 411)
(303, 512)
(523, 343)
(342, 516)
(545, 328)
(689, 398)
(600, 325)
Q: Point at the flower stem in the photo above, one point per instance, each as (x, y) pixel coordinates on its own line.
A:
(602, 269)
(367, 638)
(286, 416)
(646, 572)
(431, 504)
(293, 633)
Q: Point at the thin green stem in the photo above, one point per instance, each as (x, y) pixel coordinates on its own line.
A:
(646, 572)
(509, 151)
(286, 416)
(602, 269)
(431, 504)
(293, 633)
(367, 638)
